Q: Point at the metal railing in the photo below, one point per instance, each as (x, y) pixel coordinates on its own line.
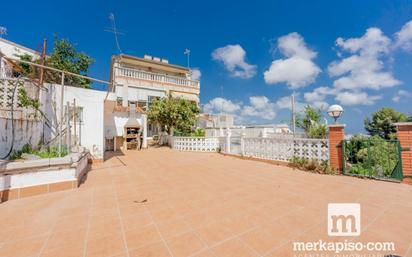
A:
(156, 77)
(372, 157)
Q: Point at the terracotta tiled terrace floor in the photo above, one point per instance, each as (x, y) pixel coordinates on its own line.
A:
(163, 203)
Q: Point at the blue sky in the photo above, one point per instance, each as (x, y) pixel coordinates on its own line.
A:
(251, 55)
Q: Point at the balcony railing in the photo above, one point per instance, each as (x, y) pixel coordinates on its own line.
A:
(161, 78)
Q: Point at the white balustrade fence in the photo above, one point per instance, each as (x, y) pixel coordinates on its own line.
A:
(195, 144)
(161, 78)
(279, 149)
(287, 148)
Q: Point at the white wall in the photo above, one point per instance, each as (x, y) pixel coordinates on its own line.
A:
(12, 50)
(237, 131)
(43, 175)
(31, 131)
(25, 132)
(114, 121)
(138, 94)
(92, 128)
(27, 128)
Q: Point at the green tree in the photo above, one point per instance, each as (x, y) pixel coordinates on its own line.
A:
(174, 113)
(311, 123)
(63, 57)
(26, 67)
(382, 123)
(66, 57)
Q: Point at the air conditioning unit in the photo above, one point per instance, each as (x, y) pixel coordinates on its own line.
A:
(157, 59)
(165, 60)
(147, 57)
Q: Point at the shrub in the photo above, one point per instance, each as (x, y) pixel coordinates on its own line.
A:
(50, 152)
(370, 156)
(311, 165)
(198, 133)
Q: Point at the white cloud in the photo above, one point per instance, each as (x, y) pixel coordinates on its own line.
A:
(285, 102)
(356, 98)
(233, 58)
(319, 94)
(364, 68)
(294, 71)
(298, 69)
(293, 44)
(401, 95)
(371, 43)
(322, 105)
(404, 37)
(317, 97)
(219, 104)
(260, 107)
(196, 74)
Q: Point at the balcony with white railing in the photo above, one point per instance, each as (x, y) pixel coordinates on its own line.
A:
(156, 77)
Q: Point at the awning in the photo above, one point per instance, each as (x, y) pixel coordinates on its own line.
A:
(190, 97)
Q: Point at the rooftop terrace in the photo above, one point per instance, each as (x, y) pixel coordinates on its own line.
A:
(161, 202)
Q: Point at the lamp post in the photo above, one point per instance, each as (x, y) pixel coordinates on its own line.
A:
(335, 111)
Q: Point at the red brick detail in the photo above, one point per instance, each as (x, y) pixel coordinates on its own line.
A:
(336, 136)
(404, 134)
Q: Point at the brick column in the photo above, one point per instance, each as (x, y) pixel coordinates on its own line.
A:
(336, 136)
(404, 134)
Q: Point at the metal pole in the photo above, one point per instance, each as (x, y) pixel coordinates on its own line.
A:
(68, 130)
(188, 60)
(43, 56)
(57, 70)
(61, 116)
(293, 114)
(74, 121)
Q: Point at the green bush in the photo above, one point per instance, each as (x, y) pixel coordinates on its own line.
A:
(311, 165)
(311, 122)
(50, 152)
(317, 131)
(198, 133)
(371, 156)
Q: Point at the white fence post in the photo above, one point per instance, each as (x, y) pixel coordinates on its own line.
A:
(228, 135)
(242, 142)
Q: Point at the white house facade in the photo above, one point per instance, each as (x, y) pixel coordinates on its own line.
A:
(12, 50)
(100, 121)
(136, 82)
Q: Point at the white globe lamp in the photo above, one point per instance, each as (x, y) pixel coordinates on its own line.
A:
(335, 111)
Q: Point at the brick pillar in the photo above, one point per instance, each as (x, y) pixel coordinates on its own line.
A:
(404, 134)
(336, 136)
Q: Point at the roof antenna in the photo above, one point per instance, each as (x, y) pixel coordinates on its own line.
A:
(187, 52)
(3, 31)
(114, 30)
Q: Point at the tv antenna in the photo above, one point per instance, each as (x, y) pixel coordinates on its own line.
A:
(187, 52)
(3, 31)
(113, 29)
(221, 96)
